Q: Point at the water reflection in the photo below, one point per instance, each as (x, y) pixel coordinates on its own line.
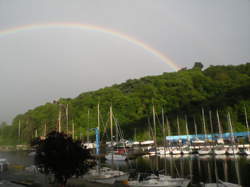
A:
(235, 169)
(206, 169)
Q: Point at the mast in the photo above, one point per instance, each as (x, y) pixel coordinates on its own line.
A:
(231, 128)
(187, 131)
(204, 123)
(98, 116)
(178, 126)
(111, 125)
(19, 131)
(164, 131)
(245, 111)
(67, 118)
(154, 126)
(111, 131)
(195, 128)
(219, 125)
(59, 119)
(88, 128)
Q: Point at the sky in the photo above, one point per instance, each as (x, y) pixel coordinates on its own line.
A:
(47, 63)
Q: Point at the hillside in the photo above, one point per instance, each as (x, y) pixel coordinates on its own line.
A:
(223, 88)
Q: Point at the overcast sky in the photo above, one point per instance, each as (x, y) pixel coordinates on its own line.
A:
(38, 66)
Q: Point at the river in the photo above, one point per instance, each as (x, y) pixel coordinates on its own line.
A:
(235, 169)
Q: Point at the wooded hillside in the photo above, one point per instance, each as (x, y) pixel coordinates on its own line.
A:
(222, 88)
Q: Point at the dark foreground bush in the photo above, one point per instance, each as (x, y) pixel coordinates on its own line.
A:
(62, 157)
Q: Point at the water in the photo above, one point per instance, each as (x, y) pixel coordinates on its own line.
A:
(234, 169)
(199, 168)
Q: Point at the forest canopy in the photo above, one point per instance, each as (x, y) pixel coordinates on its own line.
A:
(182, 93)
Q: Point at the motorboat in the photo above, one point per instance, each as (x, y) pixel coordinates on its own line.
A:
(153, 180)
(105, 175)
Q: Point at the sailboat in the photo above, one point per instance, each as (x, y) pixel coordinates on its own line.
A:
(103, 175)
(114, 155)
(219, 149)
(157, 180)
(205, 150)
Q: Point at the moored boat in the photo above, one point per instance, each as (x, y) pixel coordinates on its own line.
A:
(105, 176)
(153, 180)
(220, 150)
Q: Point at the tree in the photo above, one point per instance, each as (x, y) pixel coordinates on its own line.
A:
(198, 65)
(61, 156)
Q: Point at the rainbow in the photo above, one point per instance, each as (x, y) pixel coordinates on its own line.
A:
(88, 27)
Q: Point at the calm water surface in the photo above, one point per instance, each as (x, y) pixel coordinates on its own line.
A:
(235, 169)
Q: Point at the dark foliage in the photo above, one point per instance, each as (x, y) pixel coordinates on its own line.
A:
(61, 156)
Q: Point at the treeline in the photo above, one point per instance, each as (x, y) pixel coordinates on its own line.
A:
(183, 94)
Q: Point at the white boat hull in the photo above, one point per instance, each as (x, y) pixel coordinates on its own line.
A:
(115, 157)
(232, 151)
(204, 151)
(247, 151)
(161, 181)
(105, 176)
(176, 152)
(220, 152)
(163, 152)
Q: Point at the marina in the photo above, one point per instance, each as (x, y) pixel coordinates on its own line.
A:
(198, 169)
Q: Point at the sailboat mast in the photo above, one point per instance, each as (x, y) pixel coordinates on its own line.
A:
(67, 118)
(245, 111)
(88, 128)
(19, 130)
(111, 125)
(178, 126)
(98, 116)
(59, 119)
(195, 128)
(187, 131)
(164, 130)
(231, 127)
(204, 123)
(154, 126)
(219, 125)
